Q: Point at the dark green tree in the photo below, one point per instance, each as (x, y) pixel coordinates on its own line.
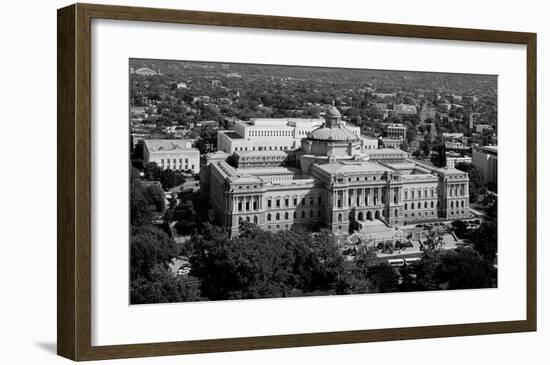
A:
(485, 240)
(460, 228)
(162, 286)
(152, 171)
(168, 179)
(382, 278)
(463, 268)
(407, 278)
(139, 211)
(426, 270)
(155, 195)
(149, 247)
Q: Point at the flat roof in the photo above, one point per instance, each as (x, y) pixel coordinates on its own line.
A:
(232, 134)
(262, 153)
(268, 170)
(400, 165)
(168, 145)
(493, 149)
(353, 167)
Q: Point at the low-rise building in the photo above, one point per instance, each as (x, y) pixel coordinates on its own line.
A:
(455, 158)
(396, 131)
(174, 154)
(486, 160)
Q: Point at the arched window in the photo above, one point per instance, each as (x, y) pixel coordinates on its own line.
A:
(396, 213)
(462, 204)
(425, 204)
(339, 217)
(412, 205)
(406, 206)
(452, 205)
(255, 219)
(269, 217)
(286, 215)
(277, 216)
(431, 204)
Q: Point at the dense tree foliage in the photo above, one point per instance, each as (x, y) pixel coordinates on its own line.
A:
(382, 278)
(139, 206)
(149, 247)
(485, 240)
(261, 264)
(464, 268)
(144, 200)
(162, 286)
(152, 171)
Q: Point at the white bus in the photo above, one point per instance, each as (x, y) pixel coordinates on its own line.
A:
(396, 262)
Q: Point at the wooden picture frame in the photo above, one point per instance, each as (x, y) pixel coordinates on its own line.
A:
(74, 182)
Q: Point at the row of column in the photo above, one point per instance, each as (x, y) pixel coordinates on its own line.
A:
(252, 202)
(454, 190)
(367, 196)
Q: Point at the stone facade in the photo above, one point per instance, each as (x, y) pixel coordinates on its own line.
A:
(332, 181)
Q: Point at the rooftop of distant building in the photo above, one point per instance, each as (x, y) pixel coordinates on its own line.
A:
(166, 145)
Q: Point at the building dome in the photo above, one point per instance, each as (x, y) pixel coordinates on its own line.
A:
(333, 112)
(336, 133)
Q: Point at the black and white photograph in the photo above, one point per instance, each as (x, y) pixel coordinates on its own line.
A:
(252, 181)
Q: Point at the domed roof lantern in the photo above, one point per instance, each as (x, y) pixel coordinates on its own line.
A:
(333, 112)
(333, 117)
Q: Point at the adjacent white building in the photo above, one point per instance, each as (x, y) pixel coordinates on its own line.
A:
(486, 159)
(175, 154)
(269, 134)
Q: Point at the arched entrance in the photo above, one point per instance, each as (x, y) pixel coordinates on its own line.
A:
(377, 214)
(369, 216)
(360, 216)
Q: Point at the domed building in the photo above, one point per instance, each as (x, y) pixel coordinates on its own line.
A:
(336, 180)
(334, 140)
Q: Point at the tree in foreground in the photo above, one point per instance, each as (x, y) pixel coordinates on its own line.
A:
(382, 278)
(464, 268)
(260, 264)
(149, 248)
(162, 286)
(485, 240)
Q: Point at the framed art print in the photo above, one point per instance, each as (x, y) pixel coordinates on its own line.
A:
(233, 182)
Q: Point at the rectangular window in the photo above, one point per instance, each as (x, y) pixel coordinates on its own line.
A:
(295, 202)
(286, 202)
(269, 203)
(240, 208)
(247, 206)
(278, 203)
